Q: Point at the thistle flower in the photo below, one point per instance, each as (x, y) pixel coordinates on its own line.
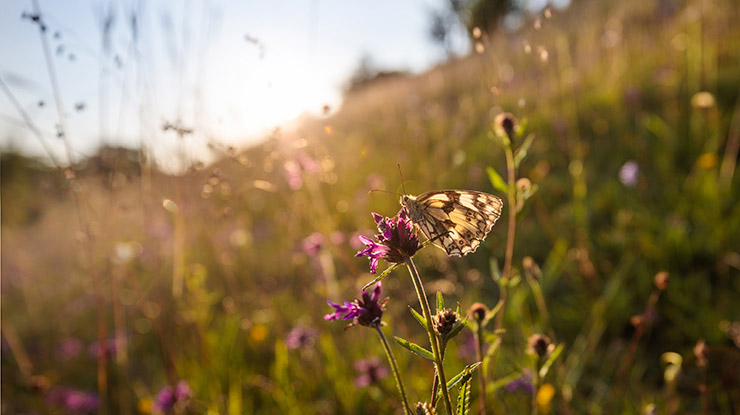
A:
(168, 397)
(396, 241)
(540, 345)
(74, 400)
(365, 312)
(300, 337)
(371, 371)
(312, 244)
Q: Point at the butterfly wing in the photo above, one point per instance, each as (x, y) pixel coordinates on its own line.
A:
(463, 218)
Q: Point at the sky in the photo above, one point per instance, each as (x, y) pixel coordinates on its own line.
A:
(230, 70)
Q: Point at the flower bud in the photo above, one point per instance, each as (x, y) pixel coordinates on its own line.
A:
(540, 345)
(478, 312)
(444, 321)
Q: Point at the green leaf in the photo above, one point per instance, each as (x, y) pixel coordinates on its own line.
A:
(463, 399)
(463, 376)
(457, 329)
(496, 181)
(495, 270)
(550, 360)
(440, 301)
(521, 153)
(380, 277)
(415, 348)
(418, 317)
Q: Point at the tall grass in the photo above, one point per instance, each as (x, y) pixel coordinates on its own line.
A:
(122, 274)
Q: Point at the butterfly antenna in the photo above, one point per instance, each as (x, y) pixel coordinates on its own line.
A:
(384, 191)
(403, 185)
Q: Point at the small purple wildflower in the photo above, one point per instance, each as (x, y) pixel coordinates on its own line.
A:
(74, 400)
(366, 311)
(371, 371)
(300, 337)
(168, 397)
(629, 173)
(396, 241)
(109, 348)
(523, 383)
(312, 244)
(69, 349)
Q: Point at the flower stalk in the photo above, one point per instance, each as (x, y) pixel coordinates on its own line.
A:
(424, 303)
(394, 368)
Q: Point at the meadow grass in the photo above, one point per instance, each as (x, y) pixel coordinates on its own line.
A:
(128, 290)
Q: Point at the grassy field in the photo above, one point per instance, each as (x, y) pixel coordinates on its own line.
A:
(208, 290)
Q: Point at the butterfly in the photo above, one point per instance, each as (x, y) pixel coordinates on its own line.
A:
(457, 220)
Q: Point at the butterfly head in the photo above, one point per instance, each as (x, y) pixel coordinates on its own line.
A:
(413, 209)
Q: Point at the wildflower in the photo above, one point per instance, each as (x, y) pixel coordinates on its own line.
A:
(444, 321)
(365, 312)
(312, 244)
(478, 311)
(74, 400)
(69, 349)
(661, 280)
(629, 173)
(424, 408)
(371, 372)
(522, 383)
(540, 345)
(108, 347)
(168, 397)
(505, 124)
(300, 337)
(396, 242)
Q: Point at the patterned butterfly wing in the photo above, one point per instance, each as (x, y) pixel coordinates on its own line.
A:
(463, 218)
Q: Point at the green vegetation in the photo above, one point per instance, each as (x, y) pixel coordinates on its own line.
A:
(635, 112)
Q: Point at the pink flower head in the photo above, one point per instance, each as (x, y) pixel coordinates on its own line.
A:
(396, 241)
(366, 311)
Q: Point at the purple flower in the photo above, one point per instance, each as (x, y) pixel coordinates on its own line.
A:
(169, 397)
(109, 348)
(629, 173)
(74, 400)
(366, 311)
(523, 383)
(313, 243)
(69, 349)
(300, 337)
(396, 241)
(370, 370)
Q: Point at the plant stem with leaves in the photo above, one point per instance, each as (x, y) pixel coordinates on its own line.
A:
(394, 368)
(430, 330)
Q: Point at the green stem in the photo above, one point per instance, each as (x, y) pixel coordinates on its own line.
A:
(504, 283)
(536, 386)
(432, 336)
(394, 367)
(481, 375)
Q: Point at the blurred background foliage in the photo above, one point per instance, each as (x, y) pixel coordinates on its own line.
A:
(219, 276)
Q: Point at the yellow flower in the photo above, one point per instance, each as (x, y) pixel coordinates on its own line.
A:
(707, 160)
(544, 396)
(145, 405)
(258, 333)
